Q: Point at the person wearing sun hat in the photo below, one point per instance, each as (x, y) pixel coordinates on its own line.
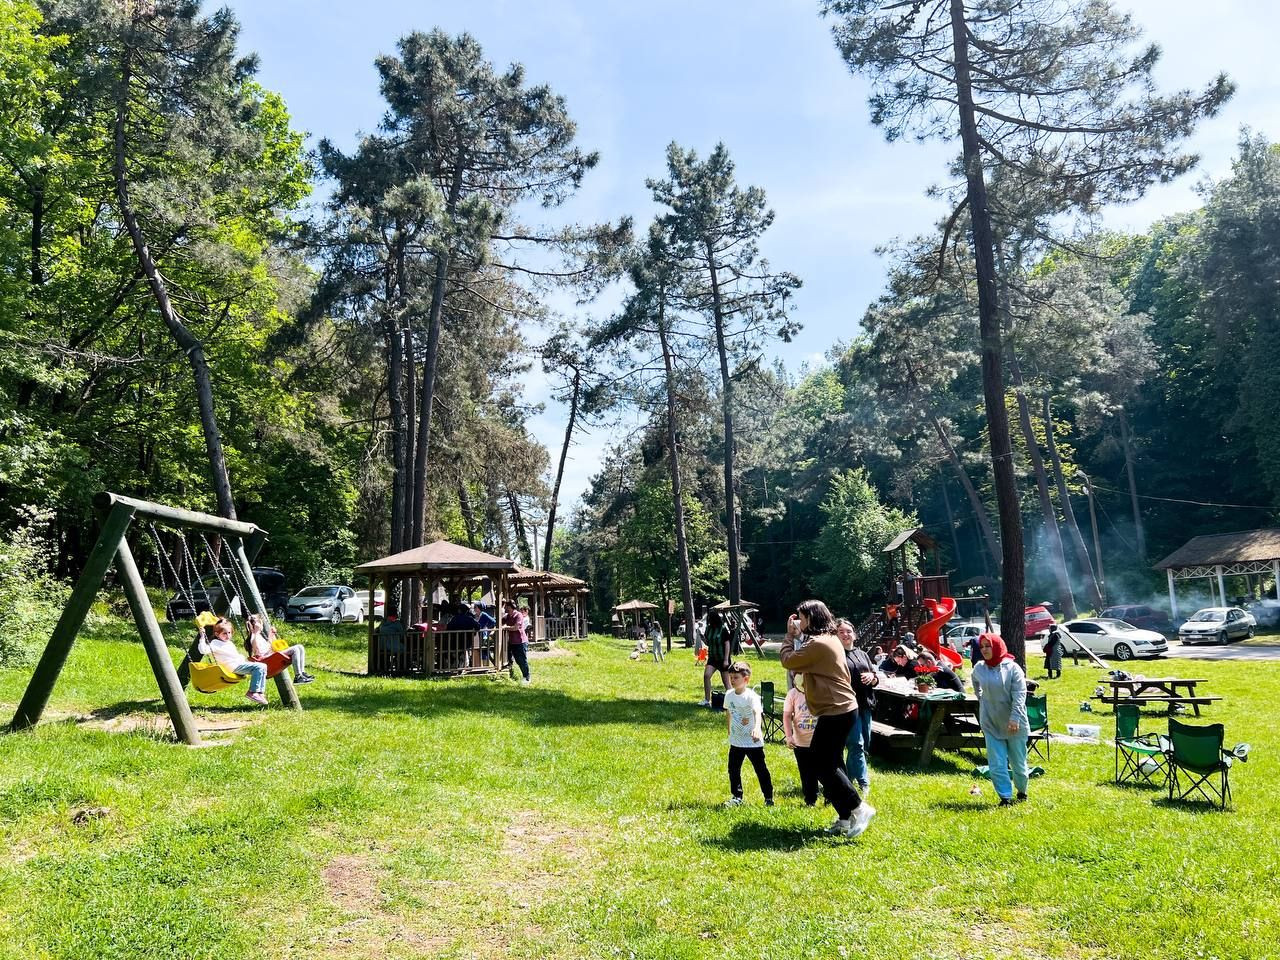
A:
(1001, 688)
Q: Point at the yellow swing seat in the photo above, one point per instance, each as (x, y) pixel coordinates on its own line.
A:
(212, 677)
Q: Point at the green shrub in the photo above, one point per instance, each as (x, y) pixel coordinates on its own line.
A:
(30, 597)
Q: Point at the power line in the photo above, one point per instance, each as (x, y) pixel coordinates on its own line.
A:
(1194, 503)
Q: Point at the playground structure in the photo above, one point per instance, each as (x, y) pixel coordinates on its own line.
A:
(243, 542)
(736, 615)
(928, 636)
(908, 594)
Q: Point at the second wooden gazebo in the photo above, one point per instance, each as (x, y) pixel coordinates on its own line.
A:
(427, 647)
(550, 596)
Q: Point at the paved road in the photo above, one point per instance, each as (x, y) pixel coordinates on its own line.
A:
(1232, 651)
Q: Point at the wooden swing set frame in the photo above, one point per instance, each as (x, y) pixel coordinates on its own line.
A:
(244, 540)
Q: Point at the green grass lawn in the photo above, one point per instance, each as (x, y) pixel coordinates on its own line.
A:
(581, 817)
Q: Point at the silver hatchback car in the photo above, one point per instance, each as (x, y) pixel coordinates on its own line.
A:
(1217, 625)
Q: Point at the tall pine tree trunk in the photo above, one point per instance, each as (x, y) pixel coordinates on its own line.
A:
(975, 501)
(1013, 602)
(677, 494)
(399, 460)
(1064, 498)
(517, 529)
(726, 402)
(191, 346)
(951, 519)
(564, 455)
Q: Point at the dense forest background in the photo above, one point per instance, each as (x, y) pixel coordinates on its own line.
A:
(196, 310)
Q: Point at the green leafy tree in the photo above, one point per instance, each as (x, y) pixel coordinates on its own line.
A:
(850, 546)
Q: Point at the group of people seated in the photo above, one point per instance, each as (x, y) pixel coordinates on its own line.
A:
(466, 630)
(911, 662)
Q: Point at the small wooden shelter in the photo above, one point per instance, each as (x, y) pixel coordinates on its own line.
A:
(557, 604)
(427, 647)
(1252, 554)
(633, 607)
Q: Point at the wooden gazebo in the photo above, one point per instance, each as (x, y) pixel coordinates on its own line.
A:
(1251, 554)
(427, 647)
(550, 597)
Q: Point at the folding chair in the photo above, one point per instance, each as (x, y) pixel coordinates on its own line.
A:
(1198, 766)
(1038, 721)
(1139, 758)
(771, 713)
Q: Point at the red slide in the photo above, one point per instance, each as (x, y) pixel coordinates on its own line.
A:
(940, 611)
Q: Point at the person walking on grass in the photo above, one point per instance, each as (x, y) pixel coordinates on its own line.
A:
(829, 692)
(865, 679)
(797, 728)
(513, 624)
(719, 654)
(1001, 688)
(744, 713)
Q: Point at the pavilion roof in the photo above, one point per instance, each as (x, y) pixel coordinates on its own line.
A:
(442, 557)
(635, 605)
(551, 582)
(1243, 546)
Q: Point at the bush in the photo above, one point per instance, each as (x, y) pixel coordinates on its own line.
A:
(30, 598)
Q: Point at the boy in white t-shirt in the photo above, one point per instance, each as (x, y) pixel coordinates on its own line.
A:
(746, 740)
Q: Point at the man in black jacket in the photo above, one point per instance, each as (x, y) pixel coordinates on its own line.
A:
(865, 679)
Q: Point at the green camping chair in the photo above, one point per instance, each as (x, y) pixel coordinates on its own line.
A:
(771, 713)
(1038, 721)
(1198, 766)
(1139, 758)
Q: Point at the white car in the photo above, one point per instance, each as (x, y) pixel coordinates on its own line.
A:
(958, 636)
(1217, 625)
(1115, 638)
(379, 602)
(331, 602)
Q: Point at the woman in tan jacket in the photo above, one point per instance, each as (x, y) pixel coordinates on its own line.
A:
(831, 699)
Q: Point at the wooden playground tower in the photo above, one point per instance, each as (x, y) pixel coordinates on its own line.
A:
(906, 590)
(118, 513)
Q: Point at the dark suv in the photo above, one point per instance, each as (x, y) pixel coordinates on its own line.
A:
(207, 594)
(1141, 616)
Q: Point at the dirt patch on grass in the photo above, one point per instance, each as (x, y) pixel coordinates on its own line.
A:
(212, 729)
(352, 884)
(553, 651)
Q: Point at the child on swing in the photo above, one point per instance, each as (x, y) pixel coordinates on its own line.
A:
(259, 647)
(224, 651)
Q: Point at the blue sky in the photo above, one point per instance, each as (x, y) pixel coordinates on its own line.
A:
(761, 75)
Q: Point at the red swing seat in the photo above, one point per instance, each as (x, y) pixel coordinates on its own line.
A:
(275, 662)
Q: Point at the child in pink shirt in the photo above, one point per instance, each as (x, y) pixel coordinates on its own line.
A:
(797, 727)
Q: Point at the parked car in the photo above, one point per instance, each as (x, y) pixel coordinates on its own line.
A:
(379, 602)
(207, 594)
(1115, 638)
(1141, 616)
(1217, 625)
(332, 602)
(1039, 620)
(960, 634)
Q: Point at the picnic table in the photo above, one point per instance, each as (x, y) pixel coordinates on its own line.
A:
(1162, 690)
(933, 723)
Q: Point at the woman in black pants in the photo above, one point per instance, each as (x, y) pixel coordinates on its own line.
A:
(831, 699)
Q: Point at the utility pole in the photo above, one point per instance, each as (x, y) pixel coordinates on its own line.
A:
(1097, 546)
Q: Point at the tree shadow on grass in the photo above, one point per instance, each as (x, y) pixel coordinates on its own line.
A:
(531, 705)
(746, 835)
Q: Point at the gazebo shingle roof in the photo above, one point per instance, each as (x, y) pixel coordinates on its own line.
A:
(1243, 546)
(555, 582)
(441, 555)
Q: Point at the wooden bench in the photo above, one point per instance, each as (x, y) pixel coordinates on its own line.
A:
(894, 736)
(1147, 699)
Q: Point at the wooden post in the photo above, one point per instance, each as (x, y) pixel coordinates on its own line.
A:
(284, 685)
(55, 653)
(372, 666)
(175, 701)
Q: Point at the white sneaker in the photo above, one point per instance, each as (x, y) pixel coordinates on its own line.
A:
(864, 791)
(839, 828)
(860, 820)
(705, 703)
(525, 682)
(733, 802)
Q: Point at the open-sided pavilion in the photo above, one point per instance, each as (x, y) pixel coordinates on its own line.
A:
(1252, 554)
